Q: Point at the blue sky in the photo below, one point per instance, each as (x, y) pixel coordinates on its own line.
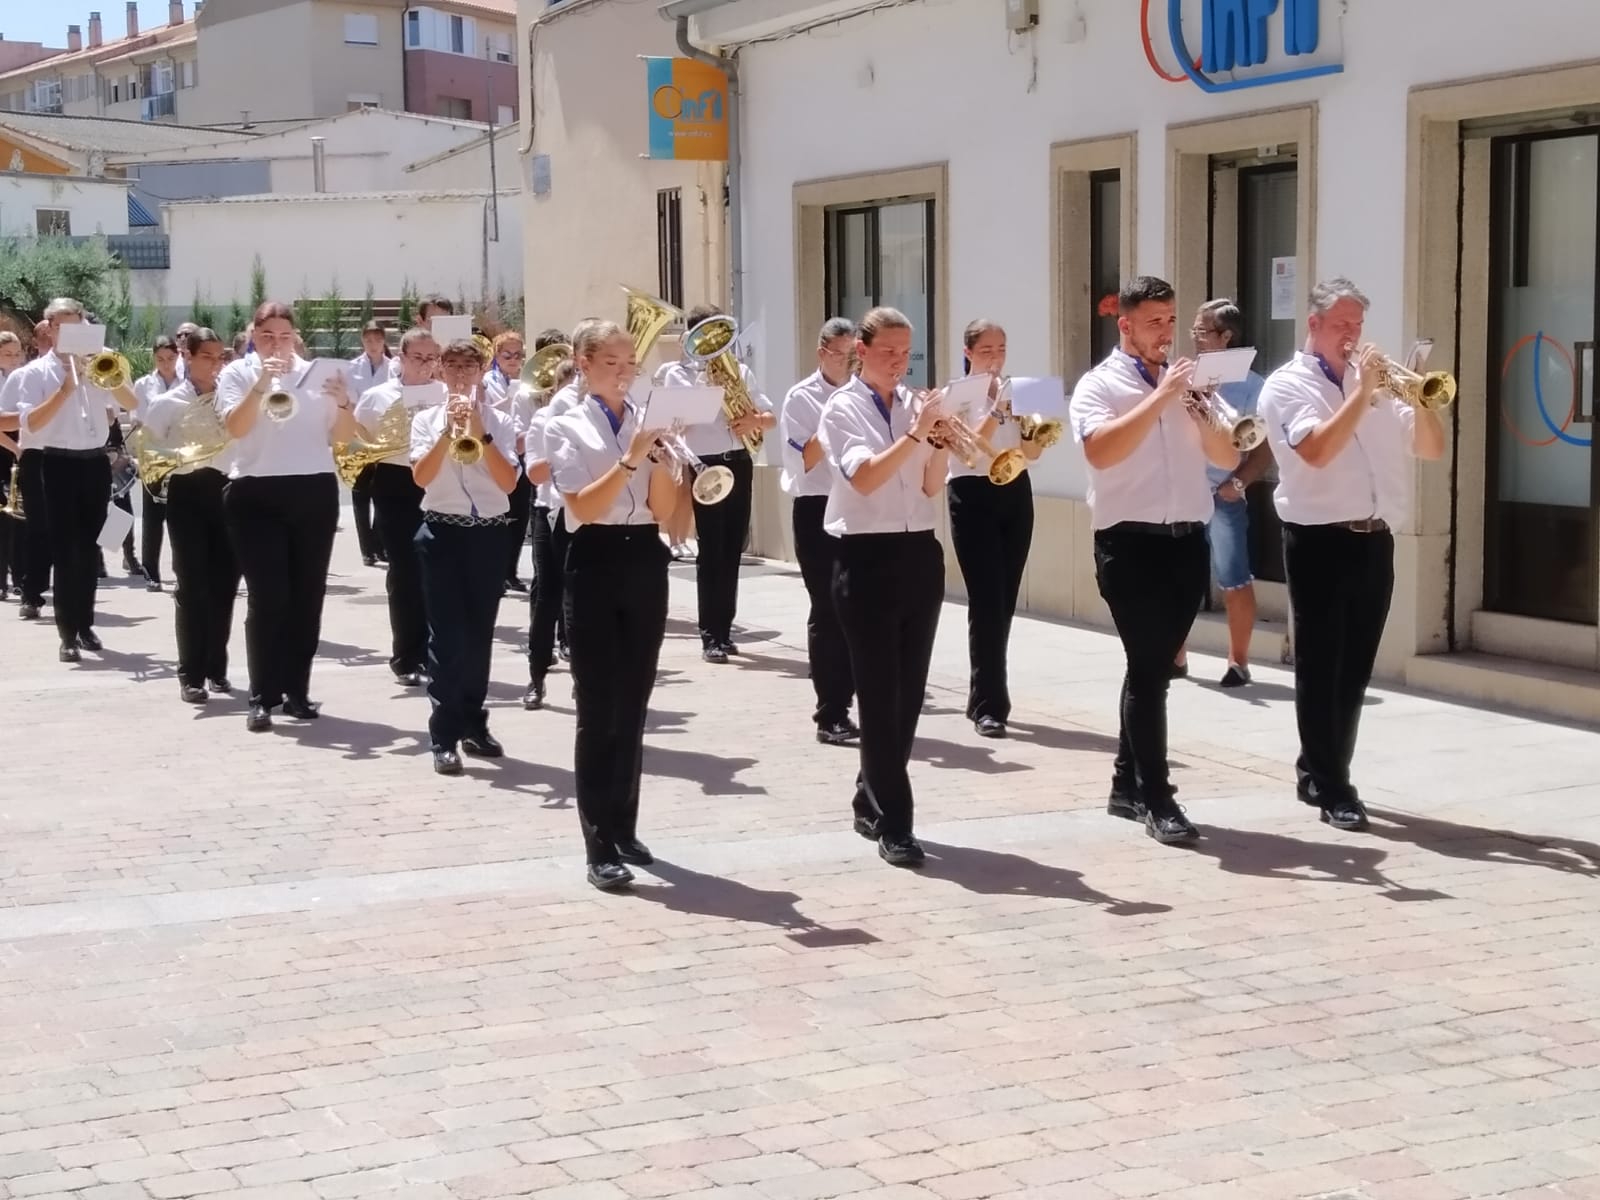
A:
(25, 21)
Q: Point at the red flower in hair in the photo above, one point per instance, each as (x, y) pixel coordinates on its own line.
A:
(1108, 305)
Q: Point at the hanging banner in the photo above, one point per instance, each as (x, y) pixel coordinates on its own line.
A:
(688, 110)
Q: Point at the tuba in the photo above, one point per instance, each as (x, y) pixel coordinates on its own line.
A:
(710, 344)
(540, 371)
(13, 506)
(198, 438)
(647, 317)
(108, 370)
(393, 437)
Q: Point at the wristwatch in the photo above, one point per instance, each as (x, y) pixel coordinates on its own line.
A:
(1238, 485)
(488, 439)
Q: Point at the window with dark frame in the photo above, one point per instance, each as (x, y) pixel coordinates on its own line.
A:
(881, 253)
(1105, 260)
(669, 246)
(53, 222)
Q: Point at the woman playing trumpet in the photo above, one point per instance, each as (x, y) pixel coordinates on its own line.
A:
(463, 457)
(282, 508)
(991, 528)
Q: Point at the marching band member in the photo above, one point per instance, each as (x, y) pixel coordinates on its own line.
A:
(71, 424)
(32, 540)
(397, 499)
(991, 529)
(204, 565)
(460, 550)
(430, 307)
(616, 592)
(544, 602)
(184, 332)
(368, 369)
(721, 529)
(168, 373)
(10, 539)
(888, 575)
(502, 383)
(1219, 325)
(1343, 446)
(808, 479)
(1149, 501)
(282, 508)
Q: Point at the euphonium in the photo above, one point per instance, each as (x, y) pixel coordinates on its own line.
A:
(1046, 431)
(541, 368)
(13, 506)
(647, 317)
(710, 344)
(712, 485)
(464, 448)
(1246, 433)
(108, 370)
(393, 437)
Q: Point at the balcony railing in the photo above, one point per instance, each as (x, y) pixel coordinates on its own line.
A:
(158, 107)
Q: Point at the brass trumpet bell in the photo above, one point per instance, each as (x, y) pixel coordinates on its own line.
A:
(541, 368)
(108, 370)
(1434, 391)
(712, 485)
(960, 439)
(465, 450)
(1046, 431)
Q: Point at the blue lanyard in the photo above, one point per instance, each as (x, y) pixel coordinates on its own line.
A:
(1327, 370)
(883, 409)
(1143, 370)
(611, 418)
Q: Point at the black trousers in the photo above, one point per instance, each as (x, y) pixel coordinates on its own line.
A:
(282, 527)
(36, 552)
(152, 527)
(368, 537)
(125, 503)
(721, 530)
(10, 532)
(206, 572)
(521, 498)
(991, 528)
(1154, 584)
(462, 578)
(826, 651)
(1340, 586)
(77, 488)
(397, 502)
(616, 606)
(544, 597)
(887, 588)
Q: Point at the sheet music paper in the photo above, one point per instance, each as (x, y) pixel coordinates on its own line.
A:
(1216, 367)
(1045, 397)
(691, 405)
(80, 338)
(968, 398)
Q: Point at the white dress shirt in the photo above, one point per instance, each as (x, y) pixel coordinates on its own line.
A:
(716, 437)
(460, 490)
(150, 386)
(565, 400)
(163, 412)
(797, 425)
(1370, 477)
(500, 390)
(1007, 435)
(83, 422)
(534, 428)
(1164, 480)
(376, 402)
(298, 446)
(583, 447)
(365, 374)
(852, 431)
(10, 405)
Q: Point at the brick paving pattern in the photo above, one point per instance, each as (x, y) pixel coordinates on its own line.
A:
(299, 966)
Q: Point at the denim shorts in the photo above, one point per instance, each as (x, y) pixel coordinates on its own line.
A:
(1228, 533)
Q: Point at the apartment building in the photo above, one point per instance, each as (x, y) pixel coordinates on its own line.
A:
(237, 62)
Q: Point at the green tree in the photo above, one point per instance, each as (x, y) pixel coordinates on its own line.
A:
(201, 312)
(258, 285)
(34, 271)
(307, 314)
(406, 311)
(335, 321)
(238, 318)
(369, 306)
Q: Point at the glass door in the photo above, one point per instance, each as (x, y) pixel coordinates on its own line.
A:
(1542, 536)
(883, 254)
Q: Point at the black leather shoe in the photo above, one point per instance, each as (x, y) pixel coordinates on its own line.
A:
(609, 876)
(565, 651)
(516, 585)
(220, 687)
(446, 762)
(369, 560)
(635, 853)
(152, 585)
(1179, 671)
(714, 654)
(69, 653)
(130, 566)
(408, 678)
(903, 851)
(300, 708)
(533, 698)
(190, 694)
(482, 745)
(989, 727)
(866, 827)
(89, 640)
(28, 612)
(1349, 815)
(1169, 826)
(840, 733)
(729, 648)
(1123, 803)
(258, 719)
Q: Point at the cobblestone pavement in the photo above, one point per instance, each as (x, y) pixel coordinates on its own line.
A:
(301, 966)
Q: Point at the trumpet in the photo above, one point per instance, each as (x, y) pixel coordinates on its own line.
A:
(954, 434)
(279, 403)
(108, 370)
(465, 449)
(1046, 431)
(712, 485)
(1246, 433)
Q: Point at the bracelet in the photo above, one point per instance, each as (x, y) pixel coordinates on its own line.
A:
(626, 465)
(914, 437)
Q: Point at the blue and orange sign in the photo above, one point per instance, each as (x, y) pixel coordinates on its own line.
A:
(1236, 38)
(688, 110)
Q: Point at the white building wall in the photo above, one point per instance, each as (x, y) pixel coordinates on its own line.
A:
(925, 83)
(436, 242)
(95, 205)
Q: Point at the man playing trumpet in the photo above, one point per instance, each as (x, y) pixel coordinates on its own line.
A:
(1343, 447)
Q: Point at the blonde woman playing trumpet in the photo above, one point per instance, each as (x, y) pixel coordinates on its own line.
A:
(464, 458)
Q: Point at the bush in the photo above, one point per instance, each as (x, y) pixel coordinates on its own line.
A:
(35, 270)
(201, 312)
(258, 286)
(406, 311)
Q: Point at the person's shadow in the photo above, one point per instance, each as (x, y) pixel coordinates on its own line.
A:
(958, 756)
(141, 668)
(349, 656)
(1277, 856)
(1474, 844)
(716, 775)
(1052, 737)
(354, 740)
(993, 873)
(729, 900)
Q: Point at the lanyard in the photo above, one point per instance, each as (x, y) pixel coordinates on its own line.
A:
(1138, 363)
(1327, 370)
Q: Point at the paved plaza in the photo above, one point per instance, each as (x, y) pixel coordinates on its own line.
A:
(300, 966)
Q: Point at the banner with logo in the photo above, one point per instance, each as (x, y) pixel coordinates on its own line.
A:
(688, 110)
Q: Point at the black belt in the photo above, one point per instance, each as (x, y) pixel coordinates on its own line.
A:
(1175, 529)
(463, 520)
(1367, 525)
(61, 452)
(725, 456)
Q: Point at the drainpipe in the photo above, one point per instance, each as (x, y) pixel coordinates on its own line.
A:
(319, 166)
(730, 65)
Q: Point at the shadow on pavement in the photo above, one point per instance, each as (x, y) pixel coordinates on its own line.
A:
(1278, 856)
(1476, 844)
(714, 773)
(993, 873)
(713, 896)
(957, 756)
